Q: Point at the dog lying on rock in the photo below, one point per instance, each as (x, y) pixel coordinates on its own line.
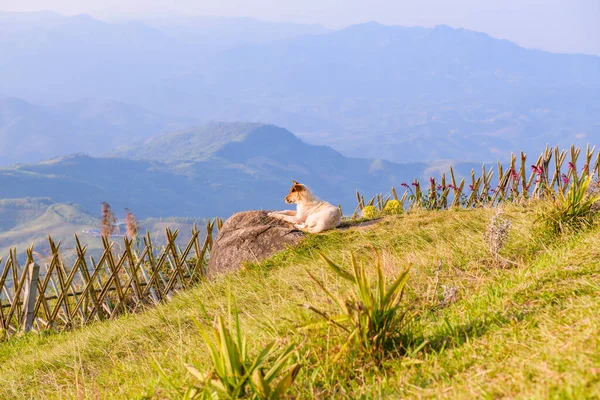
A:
(312, 215)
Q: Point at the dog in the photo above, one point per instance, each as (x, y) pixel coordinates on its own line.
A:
(312, 215)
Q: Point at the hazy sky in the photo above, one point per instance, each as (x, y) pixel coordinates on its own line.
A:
(554, 25)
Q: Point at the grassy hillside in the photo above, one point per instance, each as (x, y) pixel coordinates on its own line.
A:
(523, 325)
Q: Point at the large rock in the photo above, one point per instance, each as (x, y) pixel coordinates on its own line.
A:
(249, 236)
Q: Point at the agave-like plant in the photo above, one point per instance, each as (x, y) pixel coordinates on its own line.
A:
(373, 314)
(238, 375)
(572, 210)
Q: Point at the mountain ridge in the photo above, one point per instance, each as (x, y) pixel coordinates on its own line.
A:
(32, 133)
(368, 90)
(252, 170)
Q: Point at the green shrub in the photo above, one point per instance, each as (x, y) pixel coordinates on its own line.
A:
(370, 212)
(373, 314)
(235, 374)
(393, 207)
(571, 211)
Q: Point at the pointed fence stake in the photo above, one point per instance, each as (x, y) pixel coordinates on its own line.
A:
(29, 296)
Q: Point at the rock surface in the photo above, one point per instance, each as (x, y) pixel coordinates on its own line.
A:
(249, 236)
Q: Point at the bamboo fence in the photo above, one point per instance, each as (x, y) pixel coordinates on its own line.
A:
(57, 296)
(493, 186)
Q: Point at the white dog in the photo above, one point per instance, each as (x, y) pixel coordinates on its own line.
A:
(312, 215)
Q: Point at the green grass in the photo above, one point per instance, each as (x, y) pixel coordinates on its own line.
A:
(526, 331)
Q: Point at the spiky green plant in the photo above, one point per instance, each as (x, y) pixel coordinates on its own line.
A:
(238, 375)
(569, 211)
(373, 315)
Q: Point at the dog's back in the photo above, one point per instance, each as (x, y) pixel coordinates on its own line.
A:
(325, 216)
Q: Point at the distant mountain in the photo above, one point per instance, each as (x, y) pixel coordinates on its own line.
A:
(14, 212)
(383, 62)
(404, 94)
(226, 141)
(417, 94)
(198, 143)
(247, 166)
(62, 220)
(228, 31)
(29, 221)
(475, 129)
(81, 57)
(87, 58)
(30, 133)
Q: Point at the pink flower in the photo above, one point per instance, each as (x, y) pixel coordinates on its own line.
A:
(513, 174)
(538, 170)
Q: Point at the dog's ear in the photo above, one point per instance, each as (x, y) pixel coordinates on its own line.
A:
(295, 183)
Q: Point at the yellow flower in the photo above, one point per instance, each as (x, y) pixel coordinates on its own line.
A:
(370, 212)
(393, 207)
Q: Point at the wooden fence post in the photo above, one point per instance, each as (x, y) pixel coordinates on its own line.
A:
(29, 296)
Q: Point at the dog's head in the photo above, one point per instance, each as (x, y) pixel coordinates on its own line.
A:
(297, 193)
